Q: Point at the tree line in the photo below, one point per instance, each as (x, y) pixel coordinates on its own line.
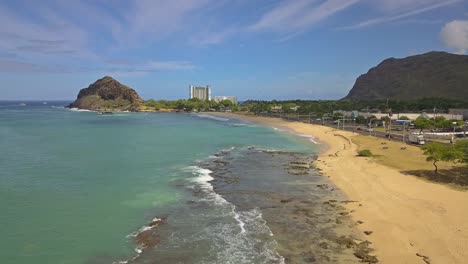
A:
(193, 104)
(327, 106)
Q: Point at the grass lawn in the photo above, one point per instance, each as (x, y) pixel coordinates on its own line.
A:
(411, 160)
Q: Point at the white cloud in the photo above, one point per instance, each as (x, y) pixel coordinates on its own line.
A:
(162, 17)
(400, 5)
(22, 35)
(169, 65)
(297, 15)
(386, 19)
(455, 35)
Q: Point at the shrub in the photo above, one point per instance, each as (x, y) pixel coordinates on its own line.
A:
(365, 153)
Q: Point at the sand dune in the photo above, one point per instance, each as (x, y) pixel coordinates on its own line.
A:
(412, 220)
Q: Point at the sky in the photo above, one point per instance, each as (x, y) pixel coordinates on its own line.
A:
(253, 49)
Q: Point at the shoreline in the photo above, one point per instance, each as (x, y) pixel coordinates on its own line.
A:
(410, 220)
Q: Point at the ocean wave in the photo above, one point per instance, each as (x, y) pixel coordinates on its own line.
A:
(242, 125)
(80, 110)
(234, 241)
(311, 138)
(279, 129)
(238, 247)
(202, 179)
(217, 118)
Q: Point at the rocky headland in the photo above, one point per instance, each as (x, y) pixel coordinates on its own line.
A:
(108, 94)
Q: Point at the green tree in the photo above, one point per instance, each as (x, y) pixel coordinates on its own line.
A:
(422, 123)
(462, 147)
(226, 103)
(337, 116)
(360, 119)
(180, 104)
(404, 118)
(437, 152)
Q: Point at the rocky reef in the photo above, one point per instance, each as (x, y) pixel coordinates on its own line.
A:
(108, 94)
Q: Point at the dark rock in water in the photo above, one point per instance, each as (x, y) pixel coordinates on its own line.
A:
(157, 221)
(362, 252)
(365, 257)
(107, 94)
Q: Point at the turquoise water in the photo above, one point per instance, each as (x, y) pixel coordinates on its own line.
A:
(74, 185)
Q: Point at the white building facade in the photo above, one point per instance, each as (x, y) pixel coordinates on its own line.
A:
(218, 99)
(200, 92)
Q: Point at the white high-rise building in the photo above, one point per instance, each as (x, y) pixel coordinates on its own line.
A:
(200, 92)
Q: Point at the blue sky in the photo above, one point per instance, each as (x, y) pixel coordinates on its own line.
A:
(270, 49)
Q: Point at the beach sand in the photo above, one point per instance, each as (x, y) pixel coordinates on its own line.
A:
(412, 220)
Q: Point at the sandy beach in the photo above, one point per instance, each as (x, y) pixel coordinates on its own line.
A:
(412, 220)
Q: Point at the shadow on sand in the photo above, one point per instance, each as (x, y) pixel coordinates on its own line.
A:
(457, 175)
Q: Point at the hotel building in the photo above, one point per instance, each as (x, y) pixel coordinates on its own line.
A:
(200, 92)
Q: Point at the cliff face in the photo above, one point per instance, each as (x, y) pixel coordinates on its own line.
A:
(107, 94)
(430, 75)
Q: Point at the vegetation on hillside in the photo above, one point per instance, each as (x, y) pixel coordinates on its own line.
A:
(434, 74)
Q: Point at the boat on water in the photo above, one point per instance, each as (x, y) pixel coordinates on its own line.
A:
(105, 113)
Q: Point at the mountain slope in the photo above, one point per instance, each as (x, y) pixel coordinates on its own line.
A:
(430, 75)
(107, 94)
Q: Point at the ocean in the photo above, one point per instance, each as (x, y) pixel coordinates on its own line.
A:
(79, 187)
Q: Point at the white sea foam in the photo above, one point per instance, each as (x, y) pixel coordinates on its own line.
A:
(234, 242)
(278, 129)
(237, 247)
(202, 178)
(311, 138)
(80, 110)
(217, 118)
(226, 150)
(237, 217)
(139, 250)
(242, 125)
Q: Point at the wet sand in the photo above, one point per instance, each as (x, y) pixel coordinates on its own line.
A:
(408, 220)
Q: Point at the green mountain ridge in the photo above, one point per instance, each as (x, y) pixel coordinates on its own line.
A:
(429, 75)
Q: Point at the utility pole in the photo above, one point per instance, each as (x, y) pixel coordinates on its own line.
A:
(403, 132)
(453, 135)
